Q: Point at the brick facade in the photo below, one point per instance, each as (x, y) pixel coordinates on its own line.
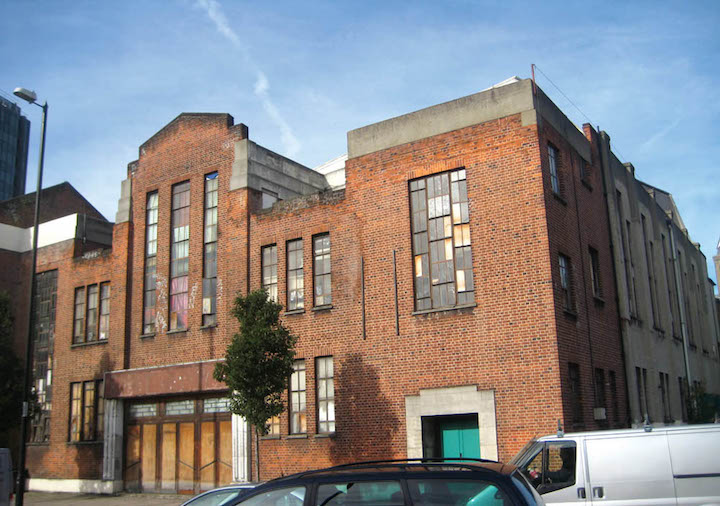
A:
(509, 350)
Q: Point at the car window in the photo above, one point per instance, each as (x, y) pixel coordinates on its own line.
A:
(216, 498)
(290, 496)
(376, 493)
(440, 492)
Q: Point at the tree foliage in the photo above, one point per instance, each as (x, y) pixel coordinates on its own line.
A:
(258, 361)
(11, 375)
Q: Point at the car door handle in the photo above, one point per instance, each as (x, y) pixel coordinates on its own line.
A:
(581, 493)
(598, 492)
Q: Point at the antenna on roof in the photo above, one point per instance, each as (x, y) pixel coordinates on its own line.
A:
(560, 431)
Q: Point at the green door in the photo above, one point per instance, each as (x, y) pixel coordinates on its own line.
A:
(460, 437)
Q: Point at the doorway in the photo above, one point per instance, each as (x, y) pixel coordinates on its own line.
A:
(451, 436)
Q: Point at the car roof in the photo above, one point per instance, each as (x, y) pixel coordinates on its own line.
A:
(417, 467)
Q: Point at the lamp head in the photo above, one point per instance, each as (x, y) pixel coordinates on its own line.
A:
(25, 94)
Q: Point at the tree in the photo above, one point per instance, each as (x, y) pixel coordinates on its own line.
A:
(258, 363)
(11, 375)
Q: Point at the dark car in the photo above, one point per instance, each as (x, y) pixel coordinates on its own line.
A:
(220, 496)
(400, 483)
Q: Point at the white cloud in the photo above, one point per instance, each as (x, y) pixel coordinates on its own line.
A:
(290, 142)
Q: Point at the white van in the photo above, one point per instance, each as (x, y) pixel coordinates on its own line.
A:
(678, 465)
(6, 477)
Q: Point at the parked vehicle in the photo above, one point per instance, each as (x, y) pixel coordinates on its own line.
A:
(220, 496)
(6, 477)
(664, 465)
(400, 483)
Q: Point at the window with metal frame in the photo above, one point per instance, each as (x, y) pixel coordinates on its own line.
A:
(209, 309)
(553, 164)
(104, 332)
(442, 256)
(91, 320)
(595, 272)
(86, 411)
(324, 375)
(295, 279)
(321, 270)
(298, 409)
(179, 256)
(269, 262)
(566, 282)
(150, 281)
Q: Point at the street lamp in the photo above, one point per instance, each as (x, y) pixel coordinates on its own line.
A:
(30, 97)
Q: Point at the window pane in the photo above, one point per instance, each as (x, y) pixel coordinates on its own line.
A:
(387, 493)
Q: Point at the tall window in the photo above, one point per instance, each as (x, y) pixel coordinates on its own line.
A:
(441, 241)
(298, 410)
(641, 382)
(269, 271)
(650, 263)
(325, 394)
(595, 272)
(91, 321)
(104, 310)
(566, 281)
(92, 312)
(631, 266)
(295, 280)
(43, 332)
(670, 282)
(273, 426)
(575, 392)
(179, 256)
(626, 253)
(665, 396)
(321, 270)
(554, 178)
(150, 297)
(86, 410)
(79, 320)
(209, 310)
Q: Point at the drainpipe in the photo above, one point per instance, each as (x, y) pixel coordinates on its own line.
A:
(681, 303)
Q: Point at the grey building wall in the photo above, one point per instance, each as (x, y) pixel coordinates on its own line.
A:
(14, 133)
(665, 298)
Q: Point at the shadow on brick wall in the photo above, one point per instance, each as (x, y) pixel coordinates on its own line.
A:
(89, 455)
(366, 423)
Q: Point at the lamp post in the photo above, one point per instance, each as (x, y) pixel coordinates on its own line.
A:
(30, 97)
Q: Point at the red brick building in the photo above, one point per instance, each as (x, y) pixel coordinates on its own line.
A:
(455, 295)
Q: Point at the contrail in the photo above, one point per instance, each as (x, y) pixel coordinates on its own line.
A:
(217, 16)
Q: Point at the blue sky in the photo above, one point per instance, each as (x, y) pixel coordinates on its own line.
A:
(301, 74)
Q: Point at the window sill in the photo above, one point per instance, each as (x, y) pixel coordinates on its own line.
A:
(44, 443)
(560, 199)
(91, 343)
(325, 307)
(84, 443)
(660, 332)
(269, 438)
(443, 309)
(177, 331)
(587, 184)
(206, 327)
(570, 313)
(599, 301)
(297, 436)
(294, 311)
(325, 435)
(147, 336)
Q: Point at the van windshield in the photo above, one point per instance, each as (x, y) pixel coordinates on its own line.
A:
(519, 459)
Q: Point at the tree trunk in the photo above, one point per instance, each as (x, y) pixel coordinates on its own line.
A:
(257, 454)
